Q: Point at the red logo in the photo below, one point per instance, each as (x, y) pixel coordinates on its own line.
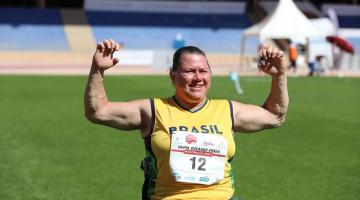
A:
(190, 139)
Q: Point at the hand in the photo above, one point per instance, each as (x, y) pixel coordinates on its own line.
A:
(103, 57)
(271, 61)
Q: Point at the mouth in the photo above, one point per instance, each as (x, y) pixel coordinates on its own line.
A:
(196, 86)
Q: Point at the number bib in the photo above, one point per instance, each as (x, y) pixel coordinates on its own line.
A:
(197, 157)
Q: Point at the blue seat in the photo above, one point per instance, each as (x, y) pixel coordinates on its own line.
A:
(168, 19)
(211, 32)
(31, 29)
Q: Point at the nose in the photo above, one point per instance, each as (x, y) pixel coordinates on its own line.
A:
(197, 75)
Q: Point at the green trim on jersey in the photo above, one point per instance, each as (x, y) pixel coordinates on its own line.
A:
(231, 173)
(192, 111)
(151, 173)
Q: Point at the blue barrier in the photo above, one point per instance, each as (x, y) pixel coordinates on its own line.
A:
(213, 21)
(349, 21)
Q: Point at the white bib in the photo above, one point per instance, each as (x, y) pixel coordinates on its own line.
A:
(197, 157)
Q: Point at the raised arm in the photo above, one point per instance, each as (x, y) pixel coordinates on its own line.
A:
(98, 109)
(252, 118)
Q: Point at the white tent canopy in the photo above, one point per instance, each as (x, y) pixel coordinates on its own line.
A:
(286, 21)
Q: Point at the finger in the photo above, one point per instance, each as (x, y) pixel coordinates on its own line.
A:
(279, 54)
(262, 60)
(107, 44)
(100, 47)
(115, 61)
(266, 66)
(261, 64)
(275, 52)
(113, 44)
(262, 54)
(266, 52)
(270, 52)
(117, 47)
(262, 68)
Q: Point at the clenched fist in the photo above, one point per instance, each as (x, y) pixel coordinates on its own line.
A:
(271, 60)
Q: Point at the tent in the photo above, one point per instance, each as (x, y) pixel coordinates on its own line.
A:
(286, 21)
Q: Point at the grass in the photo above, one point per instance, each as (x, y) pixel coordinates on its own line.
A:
(49, 151)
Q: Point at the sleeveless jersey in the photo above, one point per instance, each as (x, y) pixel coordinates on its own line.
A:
(215, 117)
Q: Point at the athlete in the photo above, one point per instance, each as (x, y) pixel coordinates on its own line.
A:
(188, 137)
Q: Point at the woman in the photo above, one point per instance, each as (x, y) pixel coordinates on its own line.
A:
(188, 137)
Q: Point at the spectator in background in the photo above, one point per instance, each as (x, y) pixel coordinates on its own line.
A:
(293, 54)
(178, 41)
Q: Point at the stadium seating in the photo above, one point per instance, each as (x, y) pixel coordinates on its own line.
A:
(212, 32)
(349, 21)
(43, 30)
(348, 17)
(168, 19)
(31, 29)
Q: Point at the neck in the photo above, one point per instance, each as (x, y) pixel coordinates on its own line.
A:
(190, 106)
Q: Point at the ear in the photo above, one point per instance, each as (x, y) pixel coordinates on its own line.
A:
(172, 76)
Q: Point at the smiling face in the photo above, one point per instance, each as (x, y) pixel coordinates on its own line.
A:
(192, 78)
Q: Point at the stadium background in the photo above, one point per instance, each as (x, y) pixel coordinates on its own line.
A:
(62, 34)
(49, 151)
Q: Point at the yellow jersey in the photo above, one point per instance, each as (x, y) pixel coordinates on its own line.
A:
(214, 117)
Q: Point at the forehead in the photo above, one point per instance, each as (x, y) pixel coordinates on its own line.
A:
(189, 60)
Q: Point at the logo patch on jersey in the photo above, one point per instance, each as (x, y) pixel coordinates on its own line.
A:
(190, 139)
(208, 143)
(204, 179)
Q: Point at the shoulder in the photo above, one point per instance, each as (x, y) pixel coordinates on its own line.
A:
(144, 105)
(149, 109)
(141, 108)
(219, 101)
(240, 107)
(146, 108)
(243, 110)
(141, 104)
(223, 102)
(162, 102)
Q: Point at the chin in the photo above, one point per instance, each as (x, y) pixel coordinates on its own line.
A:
(196, 98)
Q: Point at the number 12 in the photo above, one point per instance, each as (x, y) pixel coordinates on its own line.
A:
(200, 160)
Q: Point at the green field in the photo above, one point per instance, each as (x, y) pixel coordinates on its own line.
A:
(48, 150)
